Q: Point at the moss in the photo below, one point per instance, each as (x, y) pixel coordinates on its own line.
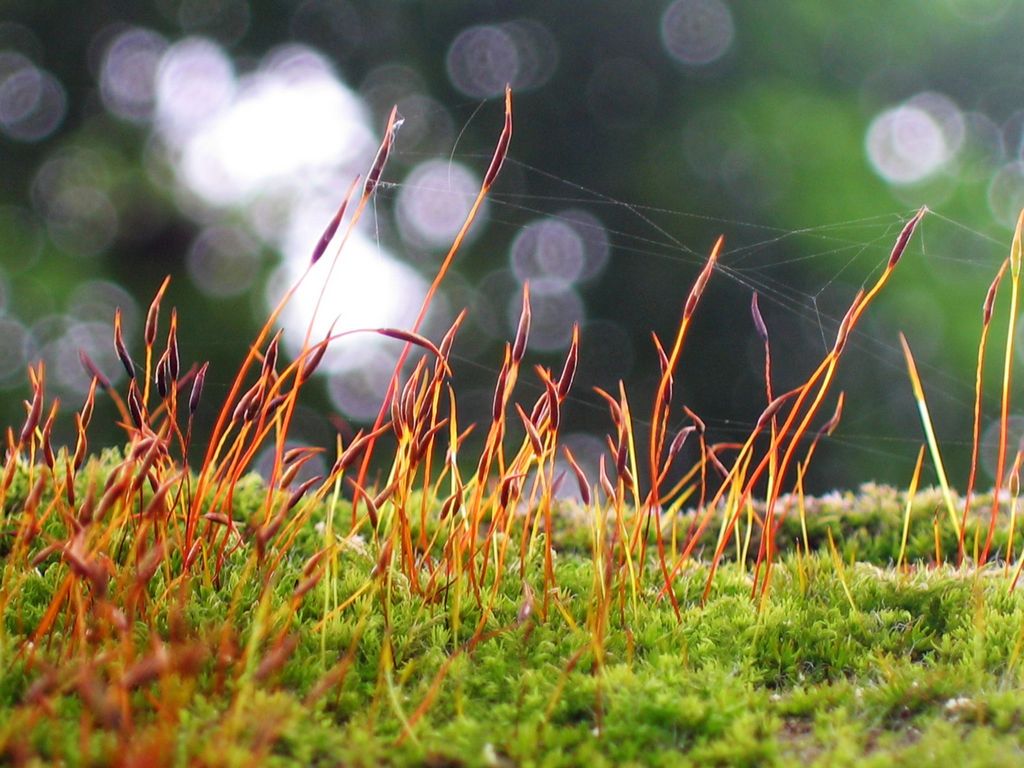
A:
(905, 666)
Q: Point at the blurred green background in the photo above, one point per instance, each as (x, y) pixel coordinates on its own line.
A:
(212, 139)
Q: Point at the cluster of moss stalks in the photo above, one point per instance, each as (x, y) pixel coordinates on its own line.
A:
(846, 661)
(451, 610)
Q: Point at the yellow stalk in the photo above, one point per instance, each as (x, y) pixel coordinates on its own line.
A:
(911, 492)
(1016, 573)
(625, 544)
(1014, 497)
(742, 551)
(387, 665)
(673, 511)
(750, 510)
(801, 505)
(1018, 645)
(801, 570)
(837, 561)
(933, 445)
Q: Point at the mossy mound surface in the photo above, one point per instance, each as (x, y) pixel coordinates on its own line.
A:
(844, 661)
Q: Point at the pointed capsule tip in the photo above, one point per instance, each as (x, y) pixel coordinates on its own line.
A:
(904, 237)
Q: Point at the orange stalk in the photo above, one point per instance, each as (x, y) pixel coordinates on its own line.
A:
(1004, 413)
(824, 372)
(497, 160)
(978, 378)
(661, 406)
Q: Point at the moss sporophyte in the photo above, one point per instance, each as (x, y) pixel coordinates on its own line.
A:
(692, 607)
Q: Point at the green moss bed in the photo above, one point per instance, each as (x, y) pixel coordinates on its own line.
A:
(845, 662)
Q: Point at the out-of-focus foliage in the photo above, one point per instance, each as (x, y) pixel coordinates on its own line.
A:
(211, 140)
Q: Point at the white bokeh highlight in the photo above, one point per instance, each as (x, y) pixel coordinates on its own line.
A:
(911, 142)
(433, 203)
(289, 123)
(274, 150)
(195, 80)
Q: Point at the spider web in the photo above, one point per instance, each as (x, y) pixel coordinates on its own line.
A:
(805, 279)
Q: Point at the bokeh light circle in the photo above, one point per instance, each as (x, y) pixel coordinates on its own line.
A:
(95, 301)
(358, 392)
(983, 148)
(1006, 193)
(13, 337)
(195, 80)
(989, 449)
(128, 73)
(434, 201)
(32, 101)
(496, 305)
(536, 53)
(587, 450)
(906, 145)
(95, 339)
(387, 84)
(483, 59)
(594, 236)
(697, 32)
(70, 192)
(428, 128)
(223, 261)
(555, 307)
(82, 221)
(58, 340)
(946, 114)
(548, 248)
